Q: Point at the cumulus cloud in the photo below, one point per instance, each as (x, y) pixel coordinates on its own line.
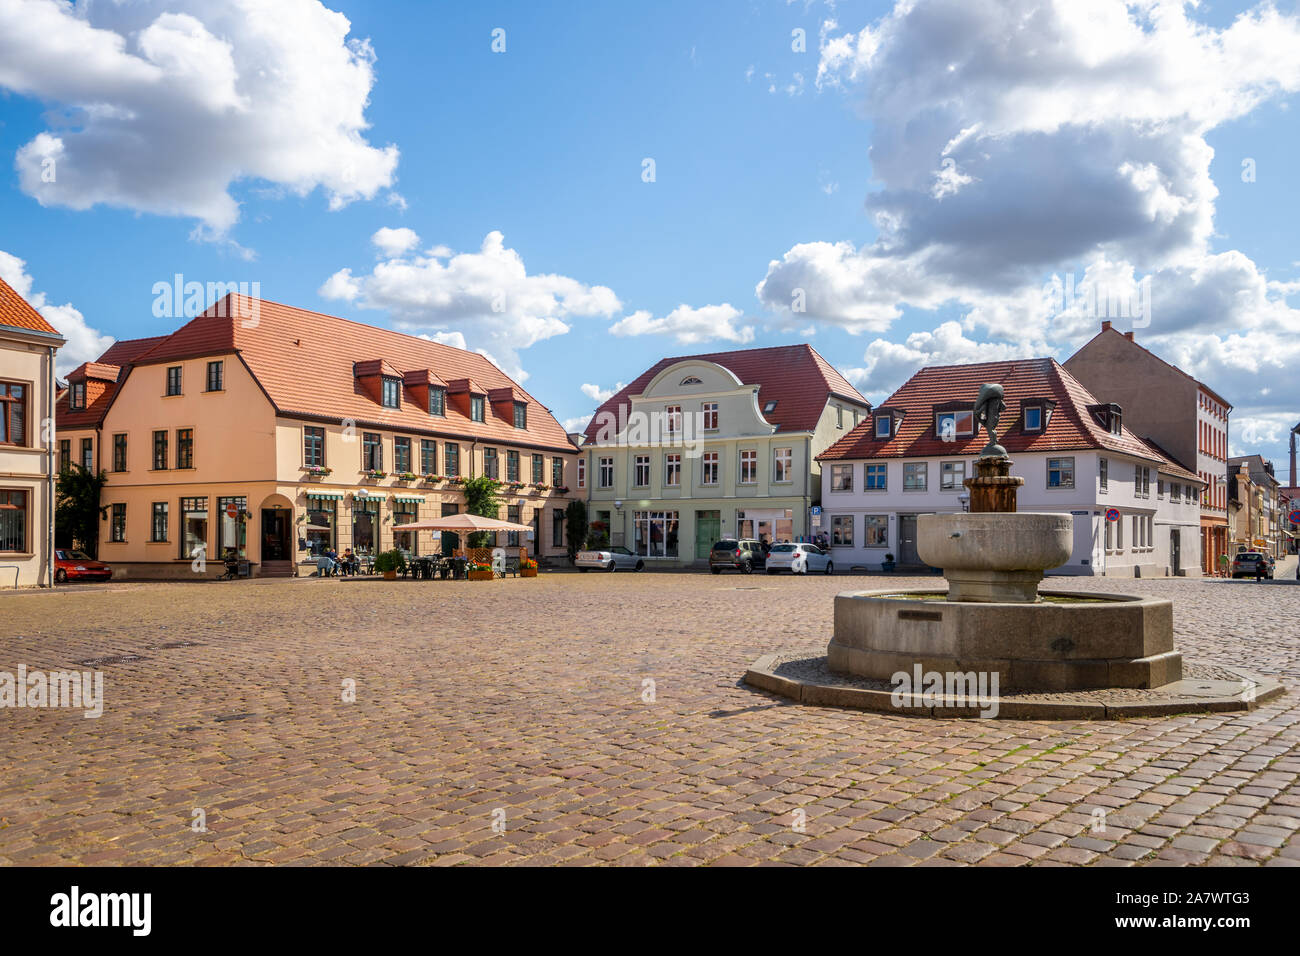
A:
(598, 394)
(160, 106)
(486, 298)
(84, 344)
(689, 325)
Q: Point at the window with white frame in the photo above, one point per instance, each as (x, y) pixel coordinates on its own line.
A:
(749, 467)
(673, 414)
(884, 426)
(842, 530)
(672, 471)
(1060, 472)
(710, 414)
(875, 531)
(1033, 418)
(782, 465)
(1103, 473)
(915, 476)
(877, 478)
(709, 468)
(950, 426)
(582, 473)
(951, 475)
(842, 477)
(607, 473)
(641, 471)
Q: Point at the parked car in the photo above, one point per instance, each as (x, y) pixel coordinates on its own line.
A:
(1245, 564)
(77, 566)
(735, 554)
(609, 559)
(799, 559)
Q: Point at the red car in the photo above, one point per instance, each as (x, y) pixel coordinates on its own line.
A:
(75, 566)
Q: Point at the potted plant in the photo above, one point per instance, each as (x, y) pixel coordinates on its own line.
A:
(433, 479)
(388, 563)
(479, 572)
(887, 565)
(528, 569)
(407, 476)
(561, 489)
(315, 472)
(374, 474)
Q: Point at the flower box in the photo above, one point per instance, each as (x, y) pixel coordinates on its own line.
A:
(433, 479)
(528, 572)
(406, 476)
(374, 475)
(481, 575)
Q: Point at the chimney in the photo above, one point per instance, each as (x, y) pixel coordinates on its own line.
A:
(1105, 325)
(1129, 336)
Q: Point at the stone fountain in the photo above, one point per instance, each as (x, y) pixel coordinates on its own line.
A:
(994, 618)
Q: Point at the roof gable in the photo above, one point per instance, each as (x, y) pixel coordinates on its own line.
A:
(17, 312)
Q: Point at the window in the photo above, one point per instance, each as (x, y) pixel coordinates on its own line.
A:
(119, 452)
(709, 473)
(13, 413)
(512, 537)
(875, 531)
(654, 533)
(582, 473)
(174, 380)
(313, 446)
(13, 520)
(451, 452)
(185, 448)
(769, 408)
(160, 451)
(951, 475)
(406, 512)
(194, 527)
(1116, 421)
(690, 380)
(117, 523)
(1033, 418)
(641, 471)
(842, 477)
(428, 456)
(710, 410)
(1060, 472)
(557, 472)
(88, 454)
(1103, 473)
(749, 467)
(438, 401)
(392, 392)
(158, 524)
(521, 419)
(215, 370)
(557, 527)
(950, 426)
(672, 471)
(1160, 487)
(512, 465)
(65, 454)
(782, 465)
(232, 529)
(877, 477)
(402, 455)
(674, 416)
(372, 452)
(1175, 491)
(839, 416)
(1146, 482)
(884, 426)
(476, 408)
(607, 473)
(76, 396)
(842, 530)
(539, 469)
(915, 476)
(491, 465)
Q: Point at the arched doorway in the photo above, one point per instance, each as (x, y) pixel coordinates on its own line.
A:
(275, 536)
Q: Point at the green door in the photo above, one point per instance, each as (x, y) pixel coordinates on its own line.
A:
(708, 526)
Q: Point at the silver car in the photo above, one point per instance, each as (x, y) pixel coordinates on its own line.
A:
(609, 559)
(799, 559)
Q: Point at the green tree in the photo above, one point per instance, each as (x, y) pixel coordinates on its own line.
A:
(78, 512)
(481, 499)
(575, 526)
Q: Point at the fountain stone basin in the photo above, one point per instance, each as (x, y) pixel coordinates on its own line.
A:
(995, 557)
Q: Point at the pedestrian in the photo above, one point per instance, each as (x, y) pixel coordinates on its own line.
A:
(1261, 564)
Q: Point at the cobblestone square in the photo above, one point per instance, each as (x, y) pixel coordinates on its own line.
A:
(594, 719)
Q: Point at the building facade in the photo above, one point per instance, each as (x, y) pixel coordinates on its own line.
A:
(272, 433)
(1258, 519)
(1163, 403)
(28, 345)
(1136, 513)
(705, 447)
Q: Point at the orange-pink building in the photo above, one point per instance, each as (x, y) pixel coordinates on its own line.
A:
(274, 433)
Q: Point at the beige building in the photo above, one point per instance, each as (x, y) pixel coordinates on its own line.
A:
(274, 433)
(27, 348)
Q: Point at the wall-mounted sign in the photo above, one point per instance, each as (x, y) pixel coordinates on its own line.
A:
(1112, 514)
(1295, 517)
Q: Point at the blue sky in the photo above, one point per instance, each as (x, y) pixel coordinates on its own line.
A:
(903, 171)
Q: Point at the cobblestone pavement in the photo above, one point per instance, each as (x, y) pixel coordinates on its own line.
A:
(526, 703)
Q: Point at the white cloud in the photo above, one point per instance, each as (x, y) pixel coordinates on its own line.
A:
(164, 104)
(576, 424)
(598, 394)
(689, 325)
(487, 297)
(84, 344)
(395, 242)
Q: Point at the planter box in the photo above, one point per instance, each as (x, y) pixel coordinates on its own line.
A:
(482, 575)
(528, 572)
(390, 575)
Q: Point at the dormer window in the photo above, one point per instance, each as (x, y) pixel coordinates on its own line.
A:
(769, 408)
(952, 425)
(1116, 421)
(438, 401)
(392, 393)
(1109, 416)
(690, 380)
(521, 414)
(476, 403)
(1033, 418)
(77, 395)
(884, 426)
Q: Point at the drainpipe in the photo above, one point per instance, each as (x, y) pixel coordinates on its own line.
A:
(49, 472)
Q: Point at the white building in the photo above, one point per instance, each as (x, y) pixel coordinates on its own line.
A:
(1136, 511)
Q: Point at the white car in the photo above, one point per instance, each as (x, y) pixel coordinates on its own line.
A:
(609, 559)
(799, 559)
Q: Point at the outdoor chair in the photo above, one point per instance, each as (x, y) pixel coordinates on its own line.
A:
(511, 567)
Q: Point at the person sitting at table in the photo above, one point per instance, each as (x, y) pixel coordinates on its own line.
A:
(351, 564)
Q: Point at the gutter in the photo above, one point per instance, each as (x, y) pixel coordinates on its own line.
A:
(49, 472)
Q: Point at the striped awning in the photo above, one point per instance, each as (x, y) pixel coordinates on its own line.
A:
(407, 499)
(325, 494)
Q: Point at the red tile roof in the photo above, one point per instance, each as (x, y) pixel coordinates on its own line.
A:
(794, 376)
(126, 351)
(1171, 465)
(305, 362)
(1070, 427)
(16, 312)
(100, 371)
(109, 367)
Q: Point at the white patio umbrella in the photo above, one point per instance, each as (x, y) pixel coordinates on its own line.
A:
(463, 522)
